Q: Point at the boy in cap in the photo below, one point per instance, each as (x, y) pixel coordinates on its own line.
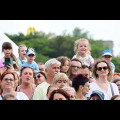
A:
(107, 55)
(31, 55)
(97, 95)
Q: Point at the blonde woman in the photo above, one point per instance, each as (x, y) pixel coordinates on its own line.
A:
(82, 52)
(61, 80)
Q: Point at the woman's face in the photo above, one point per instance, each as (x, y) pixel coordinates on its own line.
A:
(102, 69)
(65, 67)
(58, 96)
(39, 79)
(7, 52)
(62, 83)
(27, 75)
(85, 88)
(8, 82)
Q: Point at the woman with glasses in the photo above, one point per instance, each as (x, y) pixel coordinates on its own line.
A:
(40, 78)
(7, 81)
(101, 72)
(81, 86)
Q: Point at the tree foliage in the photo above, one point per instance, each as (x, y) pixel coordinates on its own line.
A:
(51, 46)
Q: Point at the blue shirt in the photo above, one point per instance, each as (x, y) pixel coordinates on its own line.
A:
(21, 62)
(33, 65)
(113, 67)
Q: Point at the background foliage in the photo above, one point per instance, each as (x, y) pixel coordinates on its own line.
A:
(51, 46)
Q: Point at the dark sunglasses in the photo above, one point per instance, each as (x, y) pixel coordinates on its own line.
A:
(100, 68)
(38, 76)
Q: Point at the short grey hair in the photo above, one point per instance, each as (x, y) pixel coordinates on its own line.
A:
(68, 88)
(51, 62)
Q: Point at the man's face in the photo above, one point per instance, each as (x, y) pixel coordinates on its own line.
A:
(85, 72)
(54, 68)
(75, 67)
(108, 58)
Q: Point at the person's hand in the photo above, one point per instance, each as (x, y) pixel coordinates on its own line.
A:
(10, 68)
(3, 70)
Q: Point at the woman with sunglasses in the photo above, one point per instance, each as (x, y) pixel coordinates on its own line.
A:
(40, 78)
(7, 81)
(81, 86)
(101, 72)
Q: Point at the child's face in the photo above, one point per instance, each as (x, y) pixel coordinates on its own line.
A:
(30, 58)
(108, 58)
(65, 67)
(7, 52)
(82, 47)
(22, 52)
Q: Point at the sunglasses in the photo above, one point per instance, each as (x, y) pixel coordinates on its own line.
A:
(100, 68)
(38, 77)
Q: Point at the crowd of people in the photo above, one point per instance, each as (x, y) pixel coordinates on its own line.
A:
(62, 78)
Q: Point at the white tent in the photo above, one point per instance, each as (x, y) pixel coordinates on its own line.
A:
(4, 38)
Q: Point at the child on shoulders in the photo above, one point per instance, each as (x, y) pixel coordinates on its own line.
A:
(31, 55)
(82, 52)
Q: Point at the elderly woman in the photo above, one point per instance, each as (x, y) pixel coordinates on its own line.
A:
(7, 81)
(61, 80)
(101, 72)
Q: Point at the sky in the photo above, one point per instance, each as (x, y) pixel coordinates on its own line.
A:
(98, 29)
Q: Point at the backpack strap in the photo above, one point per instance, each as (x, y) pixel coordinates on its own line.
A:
(112, 89)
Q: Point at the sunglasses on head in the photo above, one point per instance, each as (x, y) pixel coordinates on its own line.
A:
(100, 68)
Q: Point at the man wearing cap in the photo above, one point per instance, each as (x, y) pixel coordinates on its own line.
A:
(107, 55)
(31, 55)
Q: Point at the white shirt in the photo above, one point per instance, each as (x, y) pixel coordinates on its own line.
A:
(20, 96)
(88, 60)
(108, 95)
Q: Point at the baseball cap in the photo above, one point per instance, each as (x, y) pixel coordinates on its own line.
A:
(99, 93)
(30, 51)
(107, 52)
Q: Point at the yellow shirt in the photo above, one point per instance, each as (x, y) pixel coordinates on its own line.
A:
(41, 91)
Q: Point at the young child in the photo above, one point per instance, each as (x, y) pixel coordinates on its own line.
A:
(107, 55)
(82, 51)
(31, 55)
(7, 50)
(65, 64)
(22, 55)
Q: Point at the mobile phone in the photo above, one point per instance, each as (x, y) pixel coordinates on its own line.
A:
(8, 61)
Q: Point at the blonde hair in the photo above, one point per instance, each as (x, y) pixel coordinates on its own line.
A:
(20, 47)
(76, 45)
(58, 76)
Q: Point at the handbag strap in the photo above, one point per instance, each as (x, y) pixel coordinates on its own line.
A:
(112, 89)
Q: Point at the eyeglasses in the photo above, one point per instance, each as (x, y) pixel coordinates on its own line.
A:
(100, 68)
(78, 67)
(87, 85)
(38, 76)
(6, 79)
